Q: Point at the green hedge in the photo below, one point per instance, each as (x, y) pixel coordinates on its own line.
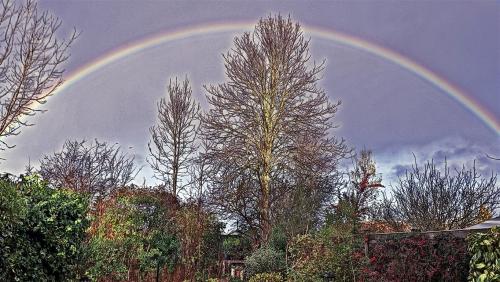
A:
(41, 231)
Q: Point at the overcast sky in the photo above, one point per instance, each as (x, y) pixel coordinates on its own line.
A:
(384, 107)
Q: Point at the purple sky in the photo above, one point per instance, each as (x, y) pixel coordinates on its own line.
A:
(385, 108)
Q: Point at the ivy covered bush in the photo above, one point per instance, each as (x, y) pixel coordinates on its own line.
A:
(485, 261)
(41, 231)
(418, 258)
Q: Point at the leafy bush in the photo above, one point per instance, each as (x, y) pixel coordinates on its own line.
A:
(418, 258)
(41, 231)
(200, 239)
(326, 253)
(131, 232)
(236, 247)
(485, 250)
(266, 277)
(264, 260)
(278, 239)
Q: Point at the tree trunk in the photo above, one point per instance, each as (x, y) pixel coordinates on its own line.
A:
(157, 272)
(265, 177)
(264, 205)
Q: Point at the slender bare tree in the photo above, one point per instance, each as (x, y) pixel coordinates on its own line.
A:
(429, 198)
(173, 138)
(31, 57)
(95, 168)
(271, 103)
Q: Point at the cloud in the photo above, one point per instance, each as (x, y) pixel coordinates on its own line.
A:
(399, 170)
(457, 152)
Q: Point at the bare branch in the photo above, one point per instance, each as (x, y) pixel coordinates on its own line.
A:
(31, 59)
(428, 198)
(173, 138)
(96, 168)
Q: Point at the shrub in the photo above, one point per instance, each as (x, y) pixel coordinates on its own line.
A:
(264, 260)
(418, 258)
(236, 247)
(485, 250)
(200, 239)
(266, 277)
(41, 231)
(326, 253)
(278, 239)
(131, 232)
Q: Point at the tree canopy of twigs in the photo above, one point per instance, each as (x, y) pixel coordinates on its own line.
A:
(173, 138)
(31, 58)
(94, 168)
(429, 198)
(270, 107)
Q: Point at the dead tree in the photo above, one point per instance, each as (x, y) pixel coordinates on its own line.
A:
(96, 168)
(429, 198)
(270, 103)
(173, 138)
(31, 59)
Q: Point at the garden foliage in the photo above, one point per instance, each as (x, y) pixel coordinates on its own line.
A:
(266, 277)
(145, 234)
(42, 231)
(324, 254)
(236, 247)
(132, 232)
(200, 237)
(485, 250)
(418, 258)
(264, 260)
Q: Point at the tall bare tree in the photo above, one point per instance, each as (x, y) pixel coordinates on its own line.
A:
(31, 59)
(96, 168)
(173, 138)
(429, 198)
(271, 103)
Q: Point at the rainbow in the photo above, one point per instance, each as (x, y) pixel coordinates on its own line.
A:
(348, 40)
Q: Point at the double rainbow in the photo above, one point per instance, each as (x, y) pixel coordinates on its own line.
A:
(348, 40)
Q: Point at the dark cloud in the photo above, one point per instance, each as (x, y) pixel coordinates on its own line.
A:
(400, 170)
(457, 152)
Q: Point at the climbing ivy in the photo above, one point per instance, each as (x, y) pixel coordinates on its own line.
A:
(41, 231)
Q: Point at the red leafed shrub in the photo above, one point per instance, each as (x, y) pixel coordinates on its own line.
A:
(418, 258)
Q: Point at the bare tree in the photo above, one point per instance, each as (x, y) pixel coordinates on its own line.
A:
(270, 103)
(173, 138)
(303, 193)
(96, 168)
(198, 177)
(432, 199)
(30, 63)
